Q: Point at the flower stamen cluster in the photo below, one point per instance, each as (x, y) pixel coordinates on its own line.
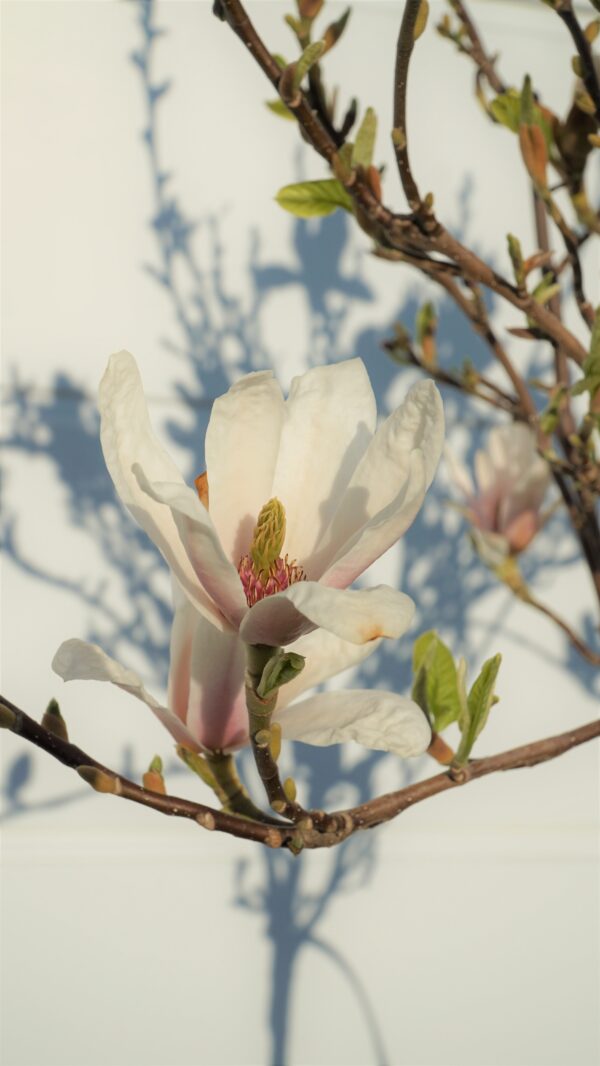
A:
(257, 584)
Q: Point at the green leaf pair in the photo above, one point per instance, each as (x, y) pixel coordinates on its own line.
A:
(439, 688)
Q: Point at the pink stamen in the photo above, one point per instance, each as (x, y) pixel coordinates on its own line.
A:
(281, 575)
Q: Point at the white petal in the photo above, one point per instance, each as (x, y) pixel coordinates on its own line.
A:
(358, 616)
(326, 655)
(211, 566)
(76, 660)
(379, 720)
(242, 443)
(330, 419)
(127, 437)
(378, 534)
(417, 425)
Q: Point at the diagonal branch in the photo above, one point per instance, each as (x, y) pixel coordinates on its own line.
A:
(366, 816)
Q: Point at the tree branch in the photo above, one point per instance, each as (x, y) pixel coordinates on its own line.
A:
(406, 41)
(293, 837)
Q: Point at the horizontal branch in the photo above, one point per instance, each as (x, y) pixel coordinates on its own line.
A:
(366, 816)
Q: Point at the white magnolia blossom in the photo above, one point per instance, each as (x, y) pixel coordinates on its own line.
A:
(348, 492)
(504, 506)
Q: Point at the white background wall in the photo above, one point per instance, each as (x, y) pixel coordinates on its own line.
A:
(467, 931)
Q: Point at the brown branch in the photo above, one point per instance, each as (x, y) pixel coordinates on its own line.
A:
(564, 10)
(406, 41)
(477, 51)
(366, 816)
(386, 807)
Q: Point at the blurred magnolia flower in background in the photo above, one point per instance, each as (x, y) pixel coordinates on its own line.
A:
(504, 504)
(311, 476)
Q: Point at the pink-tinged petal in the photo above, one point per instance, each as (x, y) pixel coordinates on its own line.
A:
(459, 474)
(326, 655)
(382, 721)
(330, 419)
(216, 713)
(379, 479)
(378, 534)
(521, 530)
(242, 444)
(485, 474)
(199, 538)
(357, 616)
(76, 660)
(127, 438)
(180, 652)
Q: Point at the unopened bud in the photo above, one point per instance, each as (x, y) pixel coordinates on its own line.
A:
(269, 535)
(289, 787)
(153, 779)
(8, 718)
(99, 779)
(275, 741)
(53, 721)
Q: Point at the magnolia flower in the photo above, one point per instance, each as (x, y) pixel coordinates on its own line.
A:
(333, 492)
(298, 499)
(206, 708)
(504, 508)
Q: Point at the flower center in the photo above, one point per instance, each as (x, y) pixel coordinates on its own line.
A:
(263, 572)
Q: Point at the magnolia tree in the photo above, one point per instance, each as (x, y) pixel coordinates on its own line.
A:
(262, 565)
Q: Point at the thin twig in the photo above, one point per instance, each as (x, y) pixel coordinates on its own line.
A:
(564, 10)
(394, 231)
(406, 41)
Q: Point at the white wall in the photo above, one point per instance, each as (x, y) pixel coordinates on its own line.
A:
(464, 933)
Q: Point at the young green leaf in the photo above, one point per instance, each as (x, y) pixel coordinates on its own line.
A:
(282, 667)
(314, 199)
(362, 153)
(435, 681)
(278, 108)
(480, 700)
(590, 382)
(309, 57)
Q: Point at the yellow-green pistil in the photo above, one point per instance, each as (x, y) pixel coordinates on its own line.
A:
(263, 571)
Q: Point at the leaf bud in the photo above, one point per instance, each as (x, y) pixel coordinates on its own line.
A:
(53, 721)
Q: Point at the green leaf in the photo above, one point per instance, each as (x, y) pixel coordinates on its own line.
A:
(506, 109)
(480, 700)
(435, 686)
(309, 57)
(362, 153)
(425, 322)
(278, 108)
(590, 382)
(282, 667)
(516, 258)
(545, 289)
(314, 199)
